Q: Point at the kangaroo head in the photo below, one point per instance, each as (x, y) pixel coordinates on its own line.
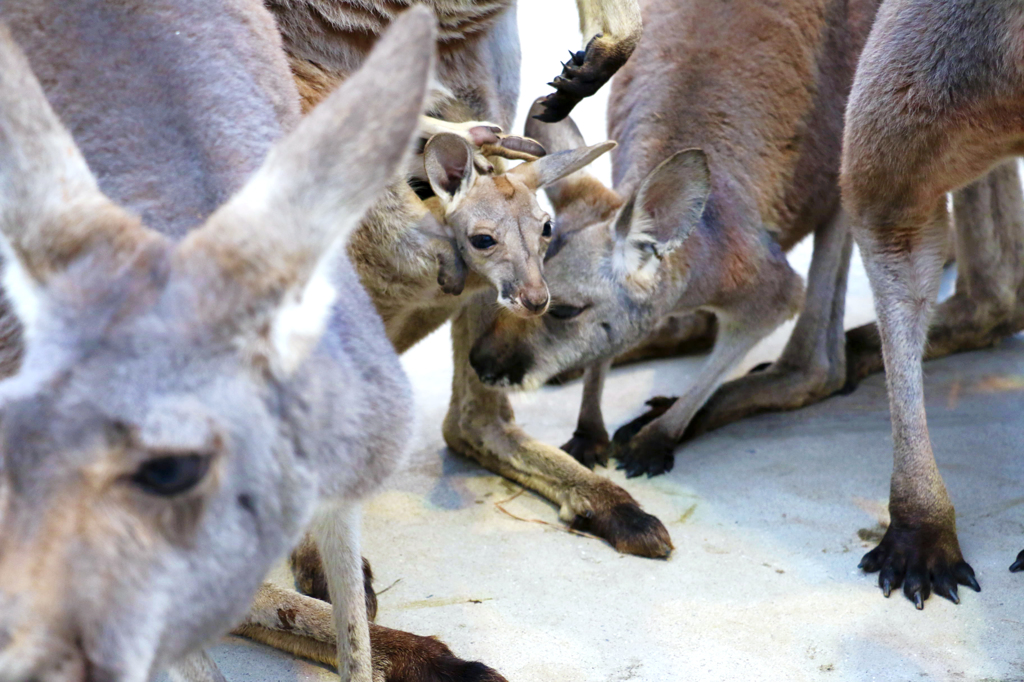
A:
(605, 263)
(178, 405)
(501, 230)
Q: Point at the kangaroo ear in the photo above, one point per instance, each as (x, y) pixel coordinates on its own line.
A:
(553, 167)
(666, 208)
(262, 263)
(448, 160)
(51, 210)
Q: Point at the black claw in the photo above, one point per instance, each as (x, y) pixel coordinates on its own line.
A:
(1018, 565)
(916, 587)
(945, 586)
(579, 57)
(872, 561)
(890, 578)
(964, 574)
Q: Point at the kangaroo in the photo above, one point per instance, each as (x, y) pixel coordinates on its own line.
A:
(714, 180)
(936, 103)
(167, 420)
(498, 229)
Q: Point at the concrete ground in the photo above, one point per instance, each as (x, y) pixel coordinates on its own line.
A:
(769, 518)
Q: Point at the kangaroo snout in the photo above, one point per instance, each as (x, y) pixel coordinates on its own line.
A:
(535, 299)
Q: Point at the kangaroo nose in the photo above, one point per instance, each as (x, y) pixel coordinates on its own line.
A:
(536, 301)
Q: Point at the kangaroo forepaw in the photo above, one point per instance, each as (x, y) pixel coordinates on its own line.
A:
(582, 76)
(1018, 565)
(588, 449)
(659, 405)
(629, 529)
(922, 560)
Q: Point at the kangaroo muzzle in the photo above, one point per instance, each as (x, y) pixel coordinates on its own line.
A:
(534, 299)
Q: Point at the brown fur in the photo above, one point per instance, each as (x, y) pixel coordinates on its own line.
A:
(769, 121)
(397, 656)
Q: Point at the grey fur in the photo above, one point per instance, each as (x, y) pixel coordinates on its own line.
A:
(141, 347)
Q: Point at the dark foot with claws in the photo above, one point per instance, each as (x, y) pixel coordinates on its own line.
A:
(649, 452)
(629, 529)
(410, 658)
(1018, 565)
(921, 560)
(659, 405)
(582, 76)
(588, 449)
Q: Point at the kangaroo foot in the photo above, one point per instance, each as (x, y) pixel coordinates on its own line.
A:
(775, 388)
(617, 518)
(921, 560)
(1018, 565)
(405, 657)
(659, 405)
(648, 452)
(588, 449)
(582, 76)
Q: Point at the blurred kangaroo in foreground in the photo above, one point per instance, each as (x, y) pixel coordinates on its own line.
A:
(732, 161)
(938, 101)
(164, 440)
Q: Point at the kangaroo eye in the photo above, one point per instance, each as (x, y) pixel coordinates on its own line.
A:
(166, 476)
(482, 241)
(547, 230)
(564, 312)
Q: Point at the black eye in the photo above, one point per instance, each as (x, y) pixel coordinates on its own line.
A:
(166, 476)
(482, 241)
(547, 230)
(564, 312)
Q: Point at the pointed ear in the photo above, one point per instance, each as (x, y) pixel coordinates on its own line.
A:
(267, 254)
(667, 207)
(550, 169)
(51, 209)
(448, 160)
